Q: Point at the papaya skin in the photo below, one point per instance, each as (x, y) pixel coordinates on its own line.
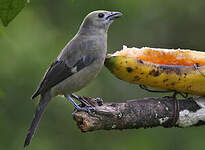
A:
(185, 79)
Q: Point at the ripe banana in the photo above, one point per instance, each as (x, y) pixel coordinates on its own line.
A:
(178, 70)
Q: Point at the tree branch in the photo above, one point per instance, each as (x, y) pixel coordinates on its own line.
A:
(141, 113)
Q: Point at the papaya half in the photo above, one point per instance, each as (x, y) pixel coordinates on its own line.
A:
(170, 69)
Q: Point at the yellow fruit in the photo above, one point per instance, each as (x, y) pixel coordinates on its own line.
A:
(179, 70)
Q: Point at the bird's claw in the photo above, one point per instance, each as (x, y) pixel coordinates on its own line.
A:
(87, 108)
(84, 105)
(99, 101)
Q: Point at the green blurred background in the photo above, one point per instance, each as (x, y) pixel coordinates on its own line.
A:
(35, 37)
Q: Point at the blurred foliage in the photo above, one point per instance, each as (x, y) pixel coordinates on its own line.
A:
(30, 43)
(9, 9)
(1, 94)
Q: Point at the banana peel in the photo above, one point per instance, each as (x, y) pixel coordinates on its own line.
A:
(177, 70)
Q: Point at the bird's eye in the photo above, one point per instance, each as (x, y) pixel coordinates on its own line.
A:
(101, 15)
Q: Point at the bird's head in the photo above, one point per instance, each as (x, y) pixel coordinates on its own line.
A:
(99, 20)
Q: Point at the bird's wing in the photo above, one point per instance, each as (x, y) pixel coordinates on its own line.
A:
(59, 71)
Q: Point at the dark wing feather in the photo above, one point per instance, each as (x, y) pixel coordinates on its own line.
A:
(58, 72)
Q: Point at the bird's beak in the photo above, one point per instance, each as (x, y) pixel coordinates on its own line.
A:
(114, 15)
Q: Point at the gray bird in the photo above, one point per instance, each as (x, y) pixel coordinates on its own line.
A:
(77, 65)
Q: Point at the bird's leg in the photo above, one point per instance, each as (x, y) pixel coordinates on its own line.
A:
(78, 99)
(75, 96)
(73, 102)
(98, 100)
(88, 108)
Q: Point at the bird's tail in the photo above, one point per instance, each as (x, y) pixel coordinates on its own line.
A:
(45, 98)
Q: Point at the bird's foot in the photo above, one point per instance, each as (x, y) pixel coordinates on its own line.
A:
(86, 107)
(80, 99)
(99, 101)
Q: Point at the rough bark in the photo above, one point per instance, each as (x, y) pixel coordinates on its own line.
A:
(141, 113)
